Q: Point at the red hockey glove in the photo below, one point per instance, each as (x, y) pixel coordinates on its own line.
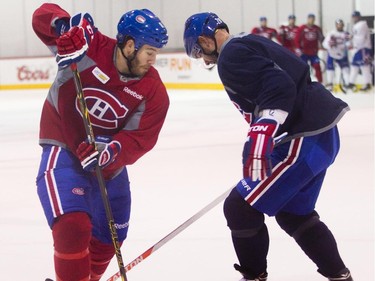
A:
(258, 148)
(73, 44)
(105, 155)
(88, 156)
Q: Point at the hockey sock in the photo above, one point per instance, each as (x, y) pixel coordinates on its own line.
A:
(330, 76)
(354, 70)
(366, 73)
(315, 239)
(320, 246)
(251, 248)
(101, 254)
(71, 235)
(346, 74)
(318, 72)
(249, 234)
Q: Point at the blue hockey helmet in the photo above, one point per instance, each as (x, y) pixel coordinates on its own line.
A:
(202, 24)
(143, 27)
(356, 14)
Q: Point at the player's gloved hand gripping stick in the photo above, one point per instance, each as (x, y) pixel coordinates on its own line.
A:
(103, 154)
(259, 146)
(257, 150)
(73, 43)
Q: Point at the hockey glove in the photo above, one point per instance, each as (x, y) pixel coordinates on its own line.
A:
(105, 154)
(73, 44)
(61, 26)
(258, 148)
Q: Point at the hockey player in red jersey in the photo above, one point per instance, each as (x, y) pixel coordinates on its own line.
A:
(264, 30)
(127, 104)
(308, 41)
(287, 34)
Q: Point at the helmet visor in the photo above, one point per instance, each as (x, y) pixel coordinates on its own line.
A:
(196, 51)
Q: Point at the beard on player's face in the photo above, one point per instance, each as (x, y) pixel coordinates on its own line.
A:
(139, 68)
(143, 59)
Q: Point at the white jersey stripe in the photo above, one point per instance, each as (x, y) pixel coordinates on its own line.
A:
(50, 180)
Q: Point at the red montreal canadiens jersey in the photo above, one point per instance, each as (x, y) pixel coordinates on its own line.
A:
(132, 111)
(308, 38)
(287, 36)
(265, 32)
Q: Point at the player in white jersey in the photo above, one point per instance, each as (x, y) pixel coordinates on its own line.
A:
(362, 47)
(336, 43)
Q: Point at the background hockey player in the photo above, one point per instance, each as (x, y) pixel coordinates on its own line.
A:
(308, 41)
(282, 177)
(264, 30)
(362, 59)
(287, 34)
(127, 102)
(336, 43)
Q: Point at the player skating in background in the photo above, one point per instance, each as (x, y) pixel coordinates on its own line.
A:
(287, 34)
(336, 43)
(362, 59)
(264, 30)
(127, 102)
(272, 89)
(308, 41)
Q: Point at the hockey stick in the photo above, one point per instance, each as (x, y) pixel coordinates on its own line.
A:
(342, 83)
(103, 190)
(171, 235)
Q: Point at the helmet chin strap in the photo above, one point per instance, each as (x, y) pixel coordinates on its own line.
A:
(129, 62)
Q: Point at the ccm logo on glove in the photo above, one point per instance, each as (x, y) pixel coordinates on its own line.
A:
(261, 128)
(258, 148)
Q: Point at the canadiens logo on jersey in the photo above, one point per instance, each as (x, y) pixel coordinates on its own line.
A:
(290, 33)
(104, 109)
(310, 35)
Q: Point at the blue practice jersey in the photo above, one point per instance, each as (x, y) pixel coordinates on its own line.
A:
(260, 74)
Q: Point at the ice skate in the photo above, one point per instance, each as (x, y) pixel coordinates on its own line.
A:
(262, 277)
(366, 88)
(259, 278)
(343, 275)
(352, 87)
(247, 277)
(329, 87)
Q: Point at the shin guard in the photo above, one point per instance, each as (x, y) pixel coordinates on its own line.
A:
(71, 235)
(315, 239)
(101, 255)
(249, 234)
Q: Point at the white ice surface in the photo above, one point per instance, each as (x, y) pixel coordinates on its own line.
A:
(198, 157)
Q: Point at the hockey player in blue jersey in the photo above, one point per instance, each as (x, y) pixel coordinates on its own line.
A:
(292, 140)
